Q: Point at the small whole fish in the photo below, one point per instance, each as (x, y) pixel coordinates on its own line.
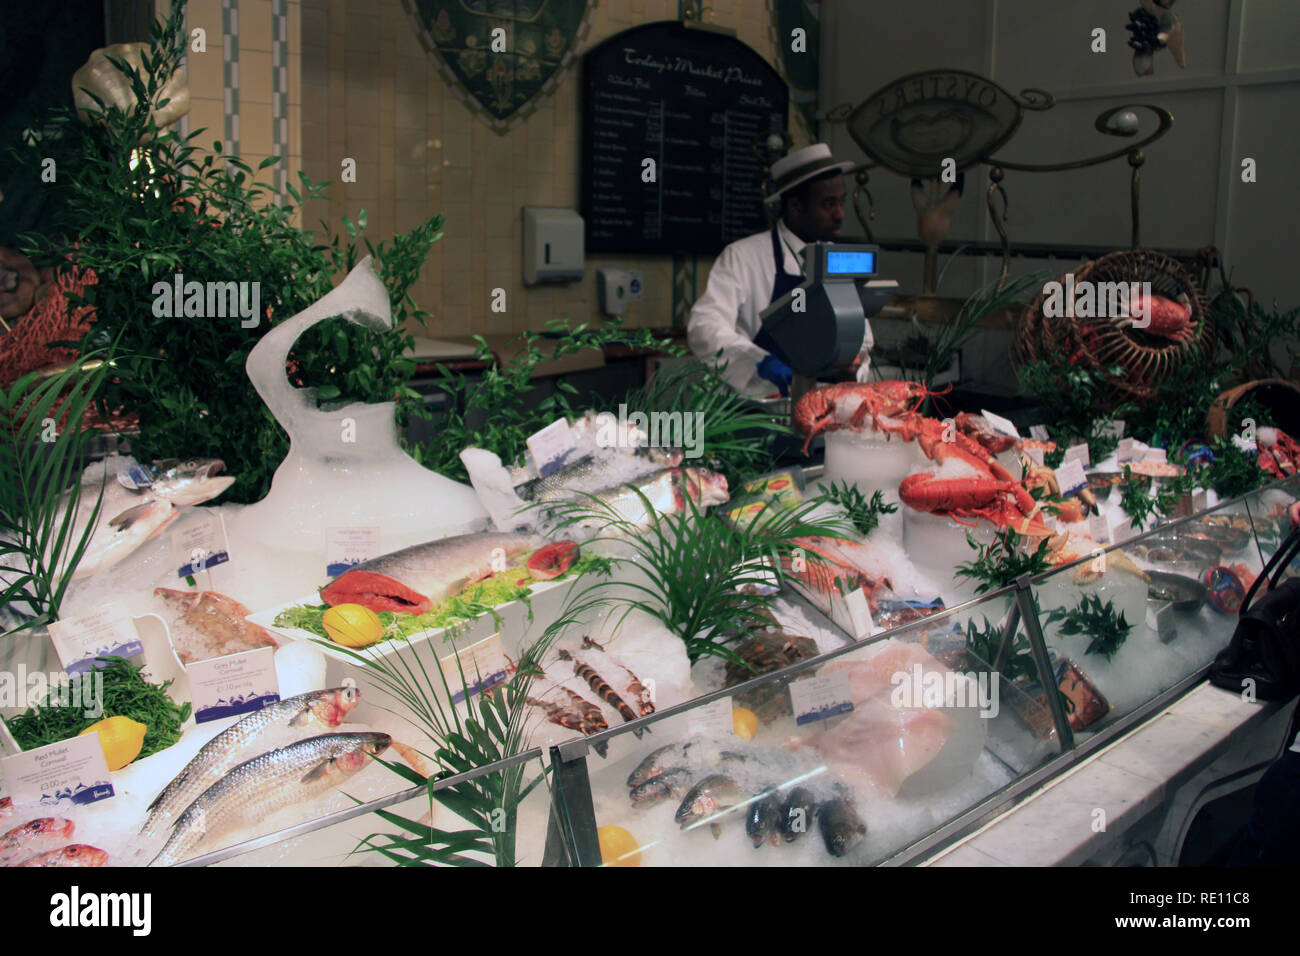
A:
(841, 827)
(666, 491)
(123, 534)
(35, 836)
(671, 784)
(589, 474)
(658, 761)
(706, 800)
(797, 813)
(311, 713)
(762, 820)
(183, 483)
(414, 579)
(273, 781)
(75, 854)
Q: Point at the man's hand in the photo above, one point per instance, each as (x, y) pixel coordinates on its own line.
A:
(776, 372)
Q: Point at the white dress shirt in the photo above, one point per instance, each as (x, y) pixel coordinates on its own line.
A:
(726, 317)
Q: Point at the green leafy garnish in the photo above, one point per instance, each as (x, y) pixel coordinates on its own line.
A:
(1002, 561)
(1107, 628)
(126, 694)
(863, 514)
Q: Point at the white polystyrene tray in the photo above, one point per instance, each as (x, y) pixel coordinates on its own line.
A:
(513, 614)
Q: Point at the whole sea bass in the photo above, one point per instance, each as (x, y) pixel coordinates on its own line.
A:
(414, 579)
(589, 474)
(666, 491)
(313, 713)
(259, 787)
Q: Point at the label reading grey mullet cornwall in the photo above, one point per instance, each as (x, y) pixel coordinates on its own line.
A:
(237, 684)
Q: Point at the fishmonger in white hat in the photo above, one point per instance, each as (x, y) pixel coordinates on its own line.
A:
(754, 272)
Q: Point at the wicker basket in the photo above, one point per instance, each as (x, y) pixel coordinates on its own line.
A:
(1279, 395)
(1146, 359)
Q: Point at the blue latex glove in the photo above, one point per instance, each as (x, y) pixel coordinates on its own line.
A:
(776, 372)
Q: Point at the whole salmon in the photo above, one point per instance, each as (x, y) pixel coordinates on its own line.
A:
(414, 579)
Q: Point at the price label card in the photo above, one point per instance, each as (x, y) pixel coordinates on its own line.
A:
(483, 666)
(237, 684)
(551, 446)
(1113, 429)
(1123, 531)
(819, 697)
(1003, 426)
(1035, 455)
(107, 631)
(1070, 477)
(200, 545)
(1161, 620)
(1130, 449)
(73, 769)
(860, 620)
(1077, 453)
(1038, 432)
(714, 720)
(1099, 528)
(345, 547)
(135, 478)
(1199, 502)
(1156, 454)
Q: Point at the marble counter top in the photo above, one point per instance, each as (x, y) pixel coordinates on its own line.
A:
(1084, 812)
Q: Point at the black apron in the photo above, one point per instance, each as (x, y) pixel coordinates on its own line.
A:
(782, 284)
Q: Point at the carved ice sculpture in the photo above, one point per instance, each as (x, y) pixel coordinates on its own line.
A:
(345, 468)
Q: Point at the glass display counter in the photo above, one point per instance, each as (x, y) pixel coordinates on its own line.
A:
(882, 751)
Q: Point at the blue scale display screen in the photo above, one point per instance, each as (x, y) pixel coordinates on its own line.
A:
(850, 263)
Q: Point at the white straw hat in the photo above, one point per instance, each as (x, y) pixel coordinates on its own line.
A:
(802, 165)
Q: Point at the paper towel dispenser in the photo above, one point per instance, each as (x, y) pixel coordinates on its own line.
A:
(553, 245)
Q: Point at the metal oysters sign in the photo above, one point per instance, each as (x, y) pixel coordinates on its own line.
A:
(916, 122)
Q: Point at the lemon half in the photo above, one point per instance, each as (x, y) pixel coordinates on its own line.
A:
(352, 625)
(121, 737)
(618, 847)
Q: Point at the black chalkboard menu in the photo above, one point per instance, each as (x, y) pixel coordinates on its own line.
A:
(694, 101)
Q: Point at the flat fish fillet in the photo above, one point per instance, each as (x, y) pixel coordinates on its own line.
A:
(878, 746)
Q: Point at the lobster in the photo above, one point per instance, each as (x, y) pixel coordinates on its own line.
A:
(1279, 454)
(1005, 503)
(850, 404)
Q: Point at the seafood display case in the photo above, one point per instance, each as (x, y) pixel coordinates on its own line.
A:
(882, 750)
(908, 740)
